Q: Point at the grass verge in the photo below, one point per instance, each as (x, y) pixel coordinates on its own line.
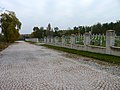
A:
(103, 57)
(3, 45)
(31, 42)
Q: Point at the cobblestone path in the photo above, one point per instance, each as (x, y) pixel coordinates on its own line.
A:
(25, 66)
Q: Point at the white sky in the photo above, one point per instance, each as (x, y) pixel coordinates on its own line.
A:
(62, 13)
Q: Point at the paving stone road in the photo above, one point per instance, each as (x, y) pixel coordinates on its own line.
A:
(25, 66)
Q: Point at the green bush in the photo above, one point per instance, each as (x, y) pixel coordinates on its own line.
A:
(3, 45)
(1, 38)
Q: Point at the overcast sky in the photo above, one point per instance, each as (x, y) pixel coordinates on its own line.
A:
(62, 13)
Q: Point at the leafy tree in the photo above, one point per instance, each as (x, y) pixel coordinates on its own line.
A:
(55, 33)
(56, 28)
(38, 33)
(88, 28)
(97, 29)
(44, 33)
(1, 38)
(10, 26)
(75, 28)
(35, 29)
(117, 27)
(81, 29)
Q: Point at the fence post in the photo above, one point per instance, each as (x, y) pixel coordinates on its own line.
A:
(63, 40)
(37, 40)
(51, 40)
(110, 40)
(56, 40)
(87, 39)
(45, 40)
(72, 39)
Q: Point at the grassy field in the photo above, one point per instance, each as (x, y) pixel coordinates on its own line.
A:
(3, 45)
(102, 57)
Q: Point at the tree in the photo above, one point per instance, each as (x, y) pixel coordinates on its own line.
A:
(48, 30)
(35, 29)
(56, 31)
(117, 27)
(10, 26)
(81, 30)
(97, 29)
(56, 28)
(37, 33)
(1, 38)
(49, 27)
(75, 28)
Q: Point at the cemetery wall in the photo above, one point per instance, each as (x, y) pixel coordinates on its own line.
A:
(108, 49)
(32, 40)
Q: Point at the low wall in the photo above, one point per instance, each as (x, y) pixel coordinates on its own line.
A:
(32, 40)
(115, 51)
(108, 40)
(97, 49)
(91, 48)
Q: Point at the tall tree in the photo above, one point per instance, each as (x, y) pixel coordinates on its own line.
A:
(48, 30)
(10, 26)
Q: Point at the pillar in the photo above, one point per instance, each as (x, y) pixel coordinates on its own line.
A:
(56, 40)
(110, 40)
(45, 40)
(72, 40)
(63, 41)
(86, 40)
